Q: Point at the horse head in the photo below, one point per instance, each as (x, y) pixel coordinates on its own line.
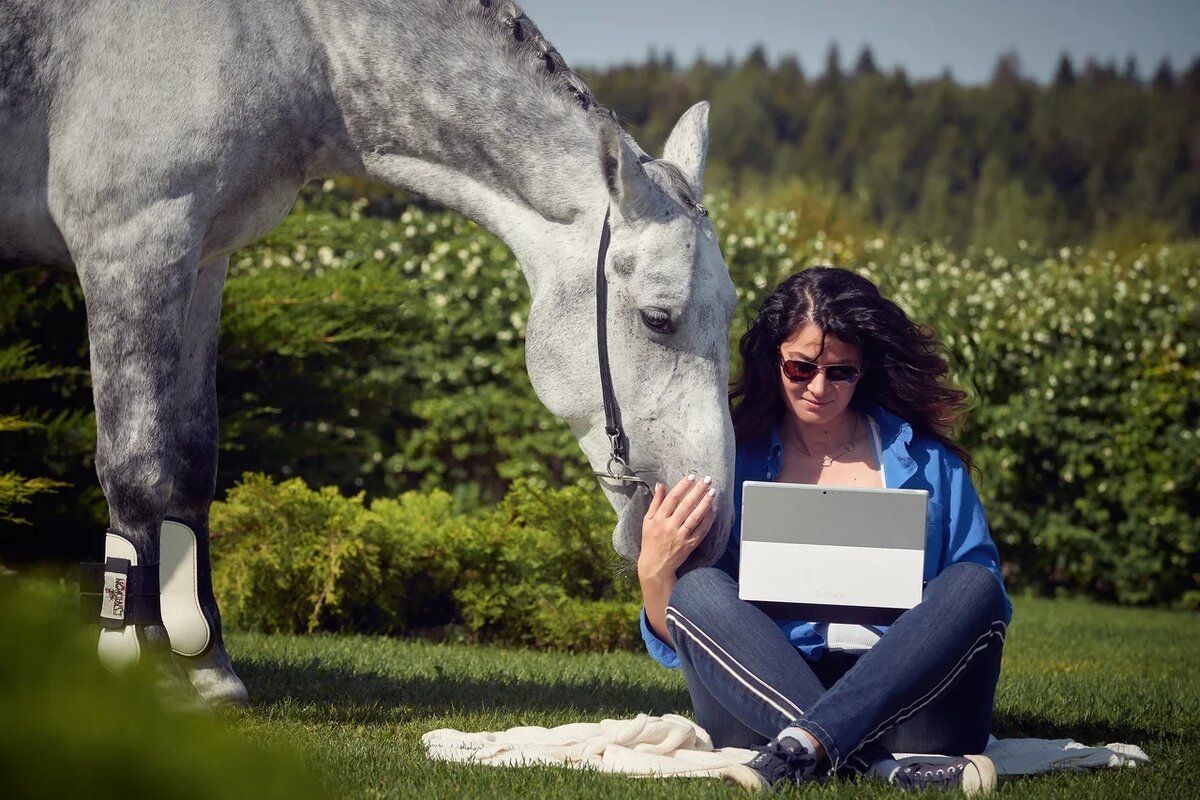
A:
(666, 320)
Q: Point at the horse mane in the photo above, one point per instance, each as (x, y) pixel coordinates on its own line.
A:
(548, 63)
(529, 42)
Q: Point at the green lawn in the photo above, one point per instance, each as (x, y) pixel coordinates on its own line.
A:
(342, 716)
(356, 707)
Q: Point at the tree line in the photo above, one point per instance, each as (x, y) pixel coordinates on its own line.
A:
(1100, 154)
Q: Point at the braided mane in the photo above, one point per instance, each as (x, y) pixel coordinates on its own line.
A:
(546, 59)
(549, 63)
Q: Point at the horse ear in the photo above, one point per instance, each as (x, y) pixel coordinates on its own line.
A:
(628, 184)
(687, 146)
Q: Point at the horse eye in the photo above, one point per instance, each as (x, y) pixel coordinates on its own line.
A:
(658, 319)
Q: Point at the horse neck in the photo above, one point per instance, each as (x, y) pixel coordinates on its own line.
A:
(437, 99)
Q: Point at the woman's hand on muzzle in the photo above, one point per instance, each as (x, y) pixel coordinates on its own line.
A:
(676, 522)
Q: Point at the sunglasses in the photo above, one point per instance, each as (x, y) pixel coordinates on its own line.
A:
(804, 371)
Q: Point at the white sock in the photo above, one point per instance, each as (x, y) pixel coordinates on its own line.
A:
(800, 735)
(884, 769)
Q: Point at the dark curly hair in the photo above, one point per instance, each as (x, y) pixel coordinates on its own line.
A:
(904, 369)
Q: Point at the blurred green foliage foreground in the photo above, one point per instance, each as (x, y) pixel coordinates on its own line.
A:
(353, 708)
(70, 729)
(386, 355)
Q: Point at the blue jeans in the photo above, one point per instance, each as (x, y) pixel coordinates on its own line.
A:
(926, 686)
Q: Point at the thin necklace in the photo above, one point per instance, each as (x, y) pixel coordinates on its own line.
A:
(827, 461)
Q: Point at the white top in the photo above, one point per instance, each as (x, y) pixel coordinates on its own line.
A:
(839, 635)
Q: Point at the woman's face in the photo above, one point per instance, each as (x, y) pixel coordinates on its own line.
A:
(818, 401)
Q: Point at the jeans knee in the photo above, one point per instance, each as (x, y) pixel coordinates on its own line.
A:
(695, 592)
(976, 583)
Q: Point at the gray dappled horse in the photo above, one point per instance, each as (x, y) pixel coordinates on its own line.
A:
(143, 142)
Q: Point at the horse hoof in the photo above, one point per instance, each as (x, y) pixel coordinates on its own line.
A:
(171, 684)
(212, 677)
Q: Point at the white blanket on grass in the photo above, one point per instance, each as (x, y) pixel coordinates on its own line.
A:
(672, 745)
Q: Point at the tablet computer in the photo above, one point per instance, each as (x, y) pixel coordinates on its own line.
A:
(832, 554)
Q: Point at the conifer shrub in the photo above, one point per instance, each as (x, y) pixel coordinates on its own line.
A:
(536, 570)
(42, 427)
(287, 558)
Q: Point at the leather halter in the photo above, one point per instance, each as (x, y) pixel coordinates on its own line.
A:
(618, 468)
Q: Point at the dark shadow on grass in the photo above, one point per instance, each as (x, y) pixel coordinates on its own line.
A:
(320, 694)
(315, 693)
(1084, 731)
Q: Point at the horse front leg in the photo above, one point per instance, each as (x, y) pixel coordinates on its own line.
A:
(196, 637)
(137, 282)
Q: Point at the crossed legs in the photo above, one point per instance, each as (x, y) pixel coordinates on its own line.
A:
(926, 686)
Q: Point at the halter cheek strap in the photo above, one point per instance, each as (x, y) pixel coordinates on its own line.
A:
(618, 459)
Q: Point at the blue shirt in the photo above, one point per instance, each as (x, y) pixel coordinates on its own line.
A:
(956, 529)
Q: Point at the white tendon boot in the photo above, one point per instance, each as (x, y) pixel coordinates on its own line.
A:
(125, 595)
(180, 582)
(195, 635)
(150, 611)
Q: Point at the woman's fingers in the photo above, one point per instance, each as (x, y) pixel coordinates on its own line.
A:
(700, 520)
(678, 492)
(656, 501)
(676, 522)
(689, 501)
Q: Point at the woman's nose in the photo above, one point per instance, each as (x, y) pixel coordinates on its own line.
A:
(819, 385)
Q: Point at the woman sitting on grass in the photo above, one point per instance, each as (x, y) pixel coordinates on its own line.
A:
(840, 388)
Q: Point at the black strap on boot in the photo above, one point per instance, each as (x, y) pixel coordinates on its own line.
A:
(117, 593)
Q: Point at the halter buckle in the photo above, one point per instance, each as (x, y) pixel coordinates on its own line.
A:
(622, 477)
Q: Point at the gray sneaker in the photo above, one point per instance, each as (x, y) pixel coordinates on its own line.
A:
(971, 774)
(784, 761)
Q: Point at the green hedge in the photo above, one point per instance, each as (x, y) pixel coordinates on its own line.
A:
(537, 570)
(387, 356)
(1085, 374)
